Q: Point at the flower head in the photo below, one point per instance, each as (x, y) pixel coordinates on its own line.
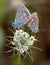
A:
(22, 41)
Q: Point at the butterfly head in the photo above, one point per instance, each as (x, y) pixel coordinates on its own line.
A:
(14, 24)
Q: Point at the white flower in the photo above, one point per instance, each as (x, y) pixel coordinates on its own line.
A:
(21, 50)
(21, 31)
(13, 43)
(31, 42)
(26, 35)
(32, 38)
(16, 48)
(23, 41)
(25, 48)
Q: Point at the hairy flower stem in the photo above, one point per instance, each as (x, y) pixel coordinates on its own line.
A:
(19, 59)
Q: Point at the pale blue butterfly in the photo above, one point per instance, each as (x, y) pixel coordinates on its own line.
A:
(34, 23)
(22, 16)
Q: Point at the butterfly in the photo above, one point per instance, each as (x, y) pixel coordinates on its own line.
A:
(34, 22)
(23, 16)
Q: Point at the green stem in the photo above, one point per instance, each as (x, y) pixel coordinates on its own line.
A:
(19, 59)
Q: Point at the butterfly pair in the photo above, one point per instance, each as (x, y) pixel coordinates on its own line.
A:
(23, 17)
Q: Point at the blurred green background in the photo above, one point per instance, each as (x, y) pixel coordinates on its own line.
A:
(7, 16)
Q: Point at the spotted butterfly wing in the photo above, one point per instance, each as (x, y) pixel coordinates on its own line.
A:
(34, 23)
(22, 16)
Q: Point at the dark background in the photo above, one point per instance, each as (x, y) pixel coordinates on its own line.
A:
(7, 16)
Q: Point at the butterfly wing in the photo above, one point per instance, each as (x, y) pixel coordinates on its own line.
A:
(34, 23)
(22, 16)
